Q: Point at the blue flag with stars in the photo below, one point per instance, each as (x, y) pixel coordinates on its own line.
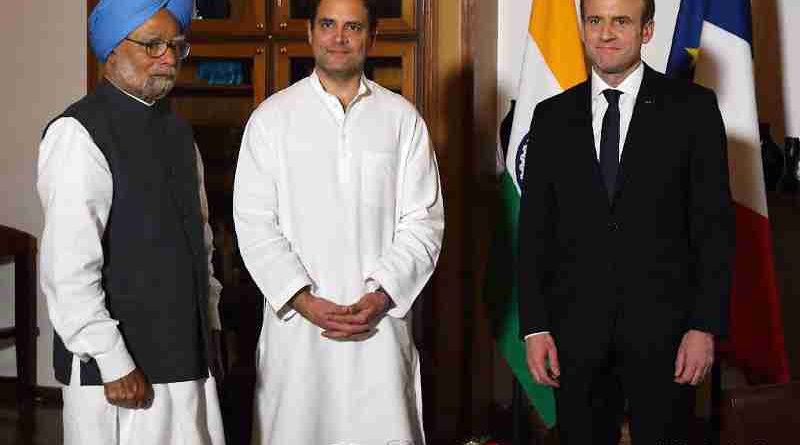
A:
(686, 40)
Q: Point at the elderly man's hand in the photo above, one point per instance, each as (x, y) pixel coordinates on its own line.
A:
(323, 313)
(131, 391)
(366, 313)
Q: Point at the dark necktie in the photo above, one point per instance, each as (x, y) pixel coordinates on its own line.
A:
(609, 142)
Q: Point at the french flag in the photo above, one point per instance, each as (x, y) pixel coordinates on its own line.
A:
(713, 44)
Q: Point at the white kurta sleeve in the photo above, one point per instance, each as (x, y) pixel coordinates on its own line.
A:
(75, 188)
(214, 286)
(408, 264)
(268, 255)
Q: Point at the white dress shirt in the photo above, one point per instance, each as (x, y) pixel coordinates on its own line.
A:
(630, 89)
(627, 101)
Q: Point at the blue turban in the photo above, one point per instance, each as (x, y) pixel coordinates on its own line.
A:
(112, 20)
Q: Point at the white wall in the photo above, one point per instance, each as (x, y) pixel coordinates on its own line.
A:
(777, 55)
(776, 41)
(43, 43)
(788, 12)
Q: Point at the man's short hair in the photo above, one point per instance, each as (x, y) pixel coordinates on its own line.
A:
(648, 11)
(370, 5)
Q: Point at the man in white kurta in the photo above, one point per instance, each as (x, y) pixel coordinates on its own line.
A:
(121, 185)
(72, 170)
(338, 204)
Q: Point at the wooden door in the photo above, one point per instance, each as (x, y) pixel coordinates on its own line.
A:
(239, 18)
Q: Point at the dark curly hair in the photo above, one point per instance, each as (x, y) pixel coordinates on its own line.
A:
(369, 5)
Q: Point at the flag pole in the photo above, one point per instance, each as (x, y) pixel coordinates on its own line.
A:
(520, 410)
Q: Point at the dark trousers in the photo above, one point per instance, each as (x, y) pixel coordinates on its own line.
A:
(598, 375)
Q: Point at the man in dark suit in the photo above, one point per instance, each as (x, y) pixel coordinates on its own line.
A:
(626, 239)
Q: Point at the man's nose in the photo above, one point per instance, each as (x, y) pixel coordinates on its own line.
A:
(341, 37)
(607, 32)
(170, 56)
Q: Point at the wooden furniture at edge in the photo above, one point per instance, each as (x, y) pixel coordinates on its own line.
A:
(20, 248)
(763, 414)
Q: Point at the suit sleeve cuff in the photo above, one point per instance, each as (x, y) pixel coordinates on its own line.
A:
(116, 363)
(535, 334)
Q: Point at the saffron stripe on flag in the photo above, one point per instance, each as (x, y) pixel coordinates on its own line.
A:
(553, 61)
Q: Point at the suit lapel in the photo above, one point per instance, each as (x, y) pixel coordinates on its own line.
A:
(643, 122)
(581, 124)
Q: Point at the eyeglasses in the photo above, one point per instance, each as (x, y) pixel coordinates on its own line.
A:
(157, 48)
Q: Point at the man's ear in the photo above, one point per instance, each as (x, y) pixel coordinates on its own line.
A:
(110, 59)
(647, 31)
(373, 37)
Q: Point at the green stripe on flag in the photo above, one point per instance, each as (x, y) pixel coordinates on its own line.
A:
(501, 296)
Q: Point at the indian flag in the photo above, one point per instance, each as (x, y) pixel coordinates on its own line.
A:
(553, 62)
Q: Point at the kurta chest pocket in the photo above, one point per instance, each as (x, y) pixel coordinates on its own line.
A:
(378, 178)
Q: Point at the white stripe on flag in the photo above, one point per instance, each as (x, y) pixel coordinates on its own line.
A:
(726, 65)
(537, 83)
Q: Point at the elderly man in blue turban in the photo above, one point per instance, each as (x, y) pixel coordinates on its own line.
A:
(125, 253)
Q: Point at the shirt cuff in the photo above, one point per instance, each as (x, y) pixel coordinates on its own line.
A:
(535, 334)
(398, 308)
(214, 321)
(282, 308)
(116, 363)
(373, 285)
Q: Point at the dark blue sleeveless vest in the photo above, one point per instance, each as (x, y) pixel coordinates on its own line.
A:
(155, 269)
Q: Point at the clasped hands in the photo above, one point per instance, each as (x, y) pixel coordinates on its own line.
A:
(692, 363)
(342, 322)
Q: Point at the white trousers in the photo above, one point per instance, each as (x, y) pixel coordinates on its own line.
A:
(183, 413)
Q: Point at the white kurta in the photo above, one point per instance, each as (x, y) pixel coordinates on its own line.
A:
(343, 201)
(75, 187)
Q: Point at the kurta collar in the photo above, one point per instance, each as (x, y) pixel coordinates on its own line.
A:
(629, 87)
(127, 102)
(331, 100)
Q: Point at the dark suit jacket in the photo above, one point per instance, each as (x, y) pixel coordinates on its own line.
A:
(662, 249)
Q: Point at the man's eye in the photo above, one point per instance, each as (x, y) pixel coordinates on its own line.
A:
(354, 27)
(622, 21)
